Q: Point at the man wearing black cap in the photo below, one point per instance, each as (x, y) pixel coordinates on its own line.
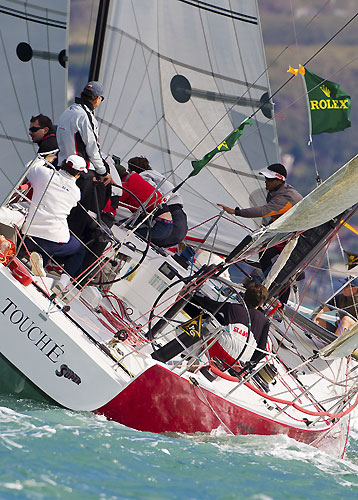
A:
(77, 133)
(280, 198)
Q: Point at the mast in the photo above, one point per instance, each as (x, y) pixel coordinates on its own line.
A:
(99, 40)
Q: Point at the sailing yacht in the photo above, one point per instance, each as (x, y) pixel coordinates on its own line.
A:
(179, 76)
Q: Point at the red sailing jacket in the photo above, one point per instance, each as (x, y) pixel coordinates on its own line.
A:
(142, 189)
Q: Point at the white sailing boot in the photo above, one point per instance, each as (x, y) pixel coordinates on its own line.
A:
(60, 285)
(37, 267)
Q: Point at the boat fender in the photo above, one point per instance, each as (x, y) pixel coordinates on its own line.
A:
(20, 272)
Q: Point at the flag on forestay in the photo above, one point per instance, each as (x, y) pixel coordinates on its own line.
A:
(329, 105)
(225, 145)
(352, 259)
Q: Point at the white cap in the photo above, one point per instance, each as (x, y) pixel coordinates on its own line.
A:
(275, 171)
(77, 162)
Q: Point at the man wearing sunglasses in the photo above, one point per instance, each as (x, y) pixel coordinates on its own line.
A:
(280, 198)
(43, 134)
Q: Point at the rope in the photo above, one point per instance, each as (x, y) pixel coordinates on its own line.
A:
(295, 405)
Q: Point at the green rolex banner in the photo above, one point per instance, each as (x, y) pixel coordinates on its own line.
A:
(225, 145)
(329, 104)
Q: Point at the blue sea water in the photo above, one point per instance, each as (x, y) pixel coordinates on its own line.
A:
(49, 453)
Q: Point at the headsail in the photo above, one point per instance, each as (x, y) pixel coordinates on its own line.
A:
(173, 71)
(33, 45)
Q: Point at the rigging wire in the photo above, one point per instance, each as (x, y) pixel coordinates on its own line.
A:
(265, 71)
(305, 94)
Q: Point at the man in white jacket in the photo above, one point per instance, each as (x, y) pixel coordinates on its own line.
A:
(54, 195)
(77, 133)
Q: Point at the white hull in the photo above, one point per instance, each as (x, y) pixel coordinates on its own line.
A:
(66, 355)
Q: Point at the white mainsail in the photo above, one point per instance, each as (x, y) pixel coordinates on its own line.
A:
(33, 41)
(158, 54)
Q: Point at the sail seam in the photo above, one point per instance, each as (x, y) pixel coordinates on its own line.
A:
(187, 66)
(33, 18)
(221, 11)
(12, 138)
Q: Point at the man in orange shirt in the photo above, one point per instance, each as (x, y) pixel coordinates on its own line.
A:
(280, 198)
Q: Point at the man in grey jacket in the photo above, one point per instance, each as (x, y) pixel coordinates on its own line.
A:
(77, 133)
(280, 198)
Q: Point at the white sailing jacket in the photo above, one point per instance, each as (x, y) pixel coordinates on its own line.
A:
(76, 135)
(47, 217)
(238, 343)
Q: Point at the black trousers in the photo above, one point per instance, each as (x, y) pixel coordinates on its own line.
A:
(94, 196)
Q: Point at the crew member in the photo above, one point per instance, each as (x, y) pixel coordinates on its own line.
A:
(347, 301)
(238, 343)
(280, 198)
(174, 204)
(43, 134)
(54, 195)
(77, 133)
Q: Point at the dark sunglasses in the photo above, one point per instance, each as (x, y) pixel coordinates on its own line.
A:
(269, 179)
(34, 129)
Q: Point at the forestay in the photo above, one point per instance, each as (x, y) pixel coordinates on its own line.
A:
(179, 76)
(33, 40)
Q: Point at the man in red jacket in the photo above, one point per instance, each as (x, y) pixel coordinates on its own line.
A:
(145, 192)
(150, 198)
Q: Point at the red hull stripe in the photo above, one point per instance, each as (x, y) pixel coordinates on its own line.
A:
(161, 401)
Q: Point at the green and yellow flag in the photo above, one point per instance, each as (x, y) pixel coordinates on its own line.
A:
(329, 105)
(352, 259)
(225, 145)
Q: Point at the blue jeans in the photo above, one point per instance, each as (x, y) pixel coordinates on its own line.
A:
(71, 254)
(161, 230)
